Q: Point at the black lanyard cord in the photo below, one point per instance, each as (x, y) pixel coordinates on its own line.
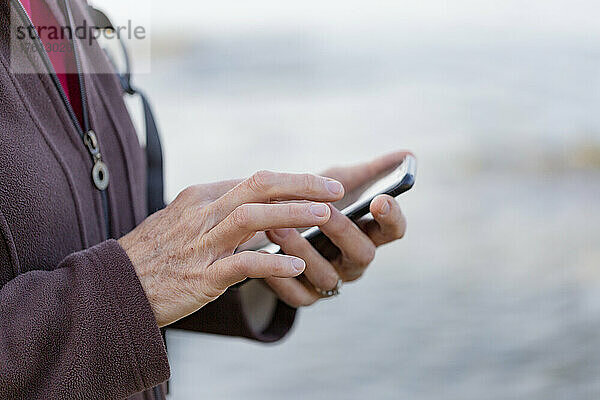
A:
(154, 156)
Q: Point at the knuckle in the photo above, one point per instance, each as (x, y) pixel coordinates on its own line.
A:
(241, 216)
(296, 211)
(211, 284)
(352, 276)
(328, 281)
(188, 218)
(193, 276)
(294, 302)
(310, 300)
(188, 193)
(302, 301)
(309, 182)
(367, 256)
(342, 224)
(261, 180)
(239, 264)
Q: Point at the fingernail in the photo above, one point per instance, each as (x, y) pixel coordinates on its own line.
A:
(319, 210)
(385, 209)
(281, 233)
(334, 187)
(298, 264)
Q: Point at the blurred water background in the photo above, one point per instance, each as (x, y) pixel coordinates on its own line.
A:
(495, 291)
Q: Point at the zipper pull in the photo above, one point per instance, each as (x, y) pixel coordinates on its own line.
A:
(100, 174)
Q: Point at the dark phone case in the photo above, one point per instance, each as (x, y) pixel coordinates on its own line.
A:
(324, 245)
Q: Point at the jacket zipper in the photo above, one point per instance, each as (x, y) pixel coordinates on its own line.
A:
(100, 174)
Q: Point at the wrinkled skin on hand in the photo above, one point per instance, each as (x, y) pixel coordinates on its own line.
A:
(185, 255)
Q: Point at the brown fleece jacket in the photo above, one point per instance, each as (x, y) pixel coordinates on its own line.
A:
(74, 320)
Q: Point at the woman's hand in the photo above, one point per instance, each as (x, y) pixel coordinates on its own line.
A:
(184, 254)
(357, 242)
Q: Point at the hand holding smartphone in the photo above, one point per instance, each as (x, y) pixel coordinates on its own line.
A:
(395, 182)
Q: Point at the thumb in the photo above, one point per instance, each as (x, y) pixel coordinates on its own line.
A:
(250, 264)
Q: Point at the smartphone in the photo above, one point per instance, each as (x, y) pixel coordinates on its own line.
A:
(393, 182)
